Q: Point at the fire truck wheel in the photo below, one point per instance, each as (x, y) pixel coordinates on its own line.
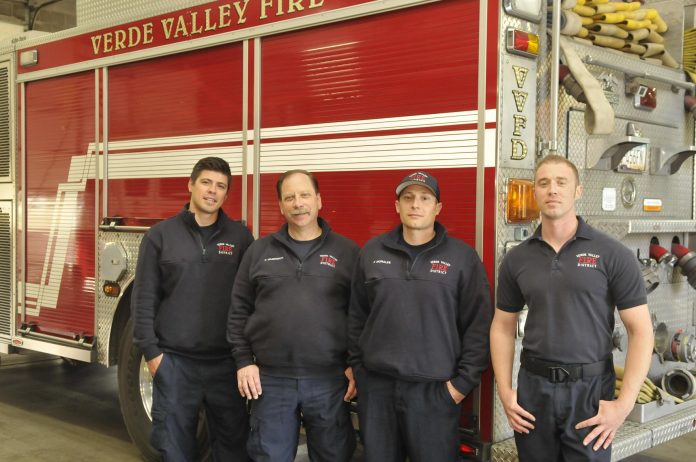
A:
(135, 396)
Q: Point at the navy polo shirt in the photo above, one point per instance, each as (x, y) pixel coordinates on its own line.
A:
(571, 294)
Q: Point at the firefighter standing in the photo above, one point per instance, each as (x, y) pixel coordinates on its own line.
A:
(571, 277)
(181, 298)
(419, 319)
(288, 328)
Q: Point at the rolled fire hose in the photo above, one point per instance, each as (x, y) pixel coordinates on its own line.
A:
(631, 6)
(609, 18)
(637, 14)
(668, 60)
(650, 13)
(637, 35)
(609, 42)
(654, 37)
(584, 10)
(652, 49)
(599, 115)
(634, 48)
(632, 24)
(568, 4)
(605, 8)
(680, 383)
(570, 23)
(661, 24)
(611, 30)
(582, 33)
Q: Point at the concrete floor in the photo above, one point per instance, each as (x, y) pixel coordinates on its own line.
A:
(53, 412)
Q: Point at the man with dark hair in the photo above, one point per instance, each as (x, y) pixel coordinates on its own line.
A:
(287, 326)
(571, 277)
(181, 298)
(418, 328)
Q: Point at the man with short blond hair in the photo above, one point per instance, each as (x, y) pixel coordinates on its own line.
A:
(571, 277)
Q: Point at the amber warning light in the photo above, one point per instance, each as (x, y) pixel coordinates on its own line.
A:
(111, 289)
(521, 206)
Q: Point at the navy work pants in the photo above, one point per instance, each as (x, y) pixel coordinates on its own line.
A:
(182, 386)
(318, 403)
(558, 407)
(400, 419)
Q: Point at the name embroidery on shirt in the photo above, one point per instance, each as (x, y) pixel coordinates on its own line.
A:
(588, 260)
(439, 266)
(273, 258)
(381, 262)
(225, 248)
(328, 260)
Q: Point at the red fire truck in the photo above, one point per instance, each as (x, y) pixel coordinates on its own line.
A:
(100, 126)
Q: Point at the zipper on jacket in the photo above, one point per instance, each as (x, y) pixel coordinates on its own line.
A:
(204, 258)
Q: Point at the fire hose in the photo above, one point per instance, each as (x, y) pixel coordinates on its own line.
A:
(649, 392)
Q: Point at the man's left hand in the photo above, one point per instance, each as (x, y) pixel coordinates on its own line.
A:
(610, 416)
(352, 391)
(456, 396)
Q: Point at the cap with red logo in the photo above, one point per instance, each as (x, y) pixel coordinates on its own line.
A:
(422, 179)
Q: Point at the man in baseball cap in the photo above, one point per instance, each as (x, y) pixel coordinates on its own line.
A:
(418, 331)
(422, 179)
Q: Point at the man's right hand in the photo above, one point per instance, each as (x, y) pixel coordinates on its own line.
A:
(249, 381)
(519, 419)
(153, 364)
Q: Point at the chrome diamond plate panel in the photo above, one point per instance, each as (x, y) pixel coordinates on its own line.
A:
(504, 233)
(674, 190)
(106, 306)
(630, 439)
(672, 426)
(504, 451)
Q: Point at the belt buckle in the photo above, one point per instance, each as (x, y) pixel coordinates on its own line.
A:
(558, 374)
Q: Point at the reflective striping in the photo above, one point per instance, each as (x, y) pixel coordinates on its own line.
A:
(432, 150)
(371, 125)
(298, 131)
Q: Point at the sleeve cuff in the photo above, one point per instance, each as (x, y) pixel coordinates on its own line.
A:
(151, 352)
(462, 386)
(243, 361)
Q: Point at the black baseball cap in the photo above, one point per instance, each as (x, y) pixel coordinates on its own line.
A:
(420, 178)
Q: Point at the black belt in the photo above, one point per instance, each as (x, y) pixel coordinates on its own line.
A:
(558, 373)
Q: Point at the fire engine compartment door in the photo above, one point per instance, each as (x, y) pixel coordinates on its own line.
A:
(59, 208)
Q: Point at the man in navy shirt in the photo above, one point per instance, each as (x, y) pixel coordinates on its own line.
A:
(571, 277)
(287, 327)
(418, 329)
(181, 297)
